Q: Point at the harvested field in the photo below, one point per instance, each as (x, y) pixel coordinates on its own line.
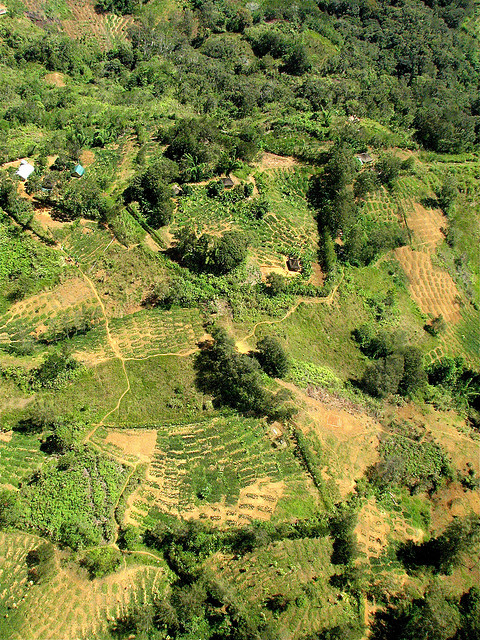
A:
(432, 288)
(273, 161)
(134, 443)
(426, 224)
(347, 436)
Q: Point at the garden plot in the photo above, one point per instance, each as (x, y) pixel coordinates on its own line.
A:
(288, 228)
(300, 571)
(71, 303)
(225, 471)
(143, 335)
(150, 333)
(432, 288)
(427, 225)
(382, 207)
(69, 605)
(105, 28)
(84, 241)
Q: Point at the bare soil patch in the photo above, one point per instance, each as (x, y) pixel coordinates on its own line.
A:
(55, 79)
(87, 158)
(282, 271)
(45, 219)
(347, 435)
(6, 436)
(134, 442)
(317, 278)
(273, 161)
(151, 244)
(432, 288)
(256, 502)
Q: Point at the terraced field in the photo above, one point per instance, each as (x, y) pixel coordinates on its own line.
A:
(68, 605)
(300, 571)
(71, 304)
(432, 288)
(226, 471)
(146, 334)
(20, 456)
(80, 18)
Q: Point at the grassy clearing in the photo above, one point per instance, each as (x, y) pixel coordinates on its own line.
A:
(324, 333)
(94, 392)
(162, 391)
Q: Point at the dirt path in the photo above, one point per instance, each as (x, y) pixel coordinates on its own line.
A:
(327, 300)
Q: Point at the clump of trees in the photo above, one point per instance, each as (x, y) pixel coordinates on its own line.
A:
(334, 194)
(397, 368)
(151, 190)
(443, 553)
(101, 561)
(272, 357)
(436, 615)
(234, 379)
(206, 253)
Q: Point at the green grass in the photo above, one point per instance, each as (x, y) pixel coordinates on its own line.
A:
(162, 391)
(324, 334)
(19, 458)
(94, 392)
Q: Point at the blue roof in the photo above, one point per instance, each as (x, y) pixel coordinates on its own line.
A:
(79, 170)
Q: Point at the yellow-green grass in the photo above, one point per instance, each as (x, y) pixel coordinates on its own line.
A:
(68, 605)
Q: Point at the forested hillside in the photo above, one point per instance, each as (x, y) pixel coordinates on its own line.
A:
(239, 319)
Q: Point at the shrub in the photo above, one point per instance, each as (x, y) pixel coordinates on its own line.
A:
(272, 357)
(100, 562)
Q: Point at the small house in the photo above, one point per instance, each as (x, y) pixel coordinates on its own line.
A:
(176, 190)
(293, 264)
(364, 158)
(78, 171)
(25, 170)
(227, 182)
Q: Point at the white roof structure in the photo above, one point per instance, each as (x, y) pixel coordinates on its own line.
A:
(25, 170)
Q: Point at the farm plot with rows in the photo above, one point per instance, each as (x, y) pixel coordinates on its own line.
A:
(299, 570)
(67, 604)
(69, 307)
(147, 334)
(226, 471)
